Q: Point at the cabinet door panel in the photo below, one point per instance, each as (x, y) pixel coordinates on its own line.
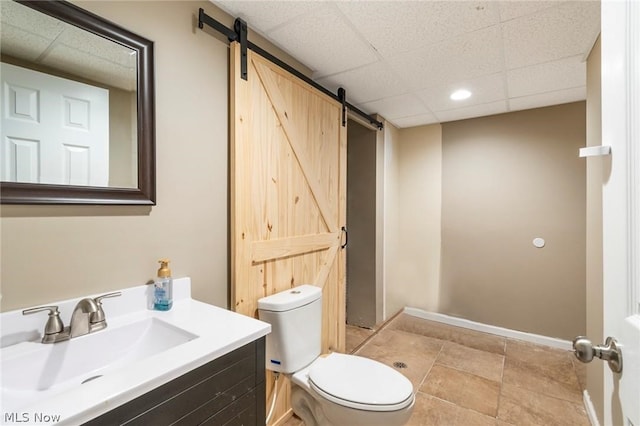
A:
(237, 414)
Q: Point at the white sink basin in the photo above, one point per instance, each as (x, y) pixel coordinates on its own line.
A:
(141, 349)
(38, 367)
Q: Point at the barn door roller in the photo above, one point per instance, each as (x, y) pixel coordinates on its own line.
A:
(240, 27)
(240, 32)
(342, 95)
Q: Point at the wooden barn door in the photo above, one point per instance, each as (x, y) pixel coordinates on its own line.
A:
(288, 189)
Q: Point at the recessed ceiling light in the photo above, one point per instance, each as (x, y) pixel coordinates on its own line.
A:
(460, 95)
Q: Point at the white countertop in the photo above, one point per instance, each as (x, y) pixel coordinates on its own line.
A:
(219, 332)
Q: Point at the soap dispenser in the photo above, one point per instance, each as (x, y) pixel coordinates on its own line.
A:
(163, 287)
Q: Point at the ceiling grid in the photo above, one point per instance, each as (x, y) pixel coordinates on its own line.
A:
(402, 59)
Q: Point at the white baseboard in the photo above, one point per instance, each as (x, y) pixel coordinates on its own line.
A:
(591, 411)
(492, 329)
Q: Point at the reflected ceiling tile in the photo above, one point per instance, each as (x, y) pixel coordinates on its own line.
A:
(547, 77)
(21, 44)
(472, 111)
(94, 45)
(566, 30)
(21, 16)
(546, 99)
(91, 67)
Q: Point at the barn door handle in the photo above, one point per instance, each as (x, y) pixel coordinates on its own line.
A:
(346, 237)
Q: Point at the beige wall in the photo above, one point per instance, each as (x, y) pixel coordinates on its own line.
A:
(414, 277)
(595, 178)
(58, 252)
(391, 241)
(508, 179)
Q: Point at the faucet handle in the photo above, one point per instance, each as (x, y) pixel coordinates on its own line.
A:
(54, 323)
(99, 315)
(104, 296)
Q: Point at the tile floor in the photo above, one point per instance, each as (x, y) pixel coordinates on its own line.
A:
(467, 378)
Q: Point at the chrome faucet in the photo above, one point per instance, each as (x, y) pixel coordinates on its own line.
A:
(87, 317)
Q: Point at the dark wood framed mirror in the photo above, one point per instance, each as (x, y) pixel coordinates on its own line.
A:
(27, 187)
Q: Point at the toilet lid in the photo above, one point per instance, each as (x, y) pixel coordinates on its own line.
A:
(360, 383)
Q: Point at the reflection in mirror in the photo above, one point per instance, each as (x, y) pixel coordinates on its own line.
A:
(70, 98)
(78, 107)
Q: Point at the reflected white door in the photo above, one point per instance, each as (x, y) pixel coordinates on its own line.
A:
(621, 204)
(54, 130)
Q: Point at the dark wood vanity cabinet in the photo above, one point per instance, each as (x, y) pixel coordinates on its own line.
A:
(229, 390)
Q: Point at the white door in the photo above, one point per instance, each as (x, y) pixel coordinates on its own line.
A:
(621, 204)
(54, 130)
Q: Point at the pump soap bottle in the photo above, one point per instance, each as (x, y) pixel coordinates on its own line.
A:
(163, 291)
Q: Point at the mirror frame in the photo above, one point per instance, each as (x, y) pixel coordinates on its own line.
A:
(145, 193)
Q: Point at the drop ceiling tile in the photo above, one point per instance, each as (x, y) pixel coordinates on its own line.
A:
(461, 58)
(546, 99)
(266, 15)
(427, 44)
(515, 9)
(414, 120)
(484, 90)
(396, 106)
(472, 111)
(547, 77)
(367, 83)
(551, 34)
(324, 42)
(400, 26)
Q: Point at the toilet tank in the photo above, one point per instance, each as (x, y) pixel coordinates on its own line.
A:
(295, 316)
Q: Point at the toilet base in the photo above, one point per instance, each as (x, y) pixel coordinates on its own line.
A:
(316, 411)
(307, 408)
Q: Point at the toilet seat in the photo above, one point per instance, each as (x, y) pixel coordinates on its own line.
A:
(360, 383)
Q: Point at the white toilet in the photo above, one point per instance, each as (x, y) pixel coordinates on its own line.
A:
(334, 389)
